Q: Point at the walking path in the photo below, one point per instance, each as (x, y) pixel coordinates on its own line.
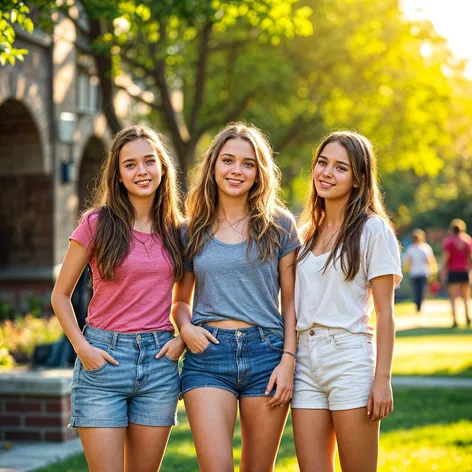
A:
(435, 314)
(408, 381)
(29, 456)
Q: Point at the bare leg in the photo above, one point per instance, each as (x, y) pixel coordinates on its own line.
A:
(358, 440)
(104, 448)
(315, 441)
(212, 416)
(261, 429)
(454, 291)
(145, 447)
(465, 293)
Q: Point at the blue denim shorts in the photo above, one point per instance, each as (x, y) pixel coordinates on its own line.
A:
(141, 389)
(241, 363)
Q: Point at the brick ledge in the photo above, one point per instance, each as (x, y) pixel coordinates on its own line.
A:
(36, 382)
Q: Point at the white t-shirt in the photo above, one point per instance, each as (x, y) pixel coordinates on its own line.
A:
(418, 255)
(327, 299)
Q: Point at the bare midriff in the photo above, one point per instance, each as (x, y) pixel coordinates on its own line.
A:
(229, 324)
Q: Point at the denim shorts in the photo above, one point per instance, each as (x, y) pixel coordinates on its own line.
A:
(335, 369)
(141, 389)
(241, 363)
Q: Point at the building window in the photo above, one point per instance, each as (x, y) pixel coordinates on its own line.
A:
(88, 94)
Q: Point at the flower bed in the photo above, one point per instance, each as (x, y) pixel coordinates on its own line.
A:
(20, 336)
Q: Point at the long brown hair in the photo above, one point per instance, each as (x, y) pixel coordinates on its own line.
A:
(263, 203)
(365, 201)
(116, 214)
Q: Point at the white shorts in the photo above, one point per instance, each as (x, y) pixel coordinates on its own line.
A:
(335, 369)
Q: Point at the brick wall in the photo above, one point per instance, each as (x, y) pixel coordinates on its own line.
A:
(30, 416)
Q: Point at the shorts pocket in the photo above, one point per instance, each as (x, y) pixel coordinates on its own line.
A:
(369, 346)
(207, 348)
(169, 359)
(344, 342)
(98, 370)
(274, 342)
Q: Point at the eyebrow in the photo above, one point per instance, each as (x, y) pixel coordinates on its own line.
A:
(337, 162)
(131, 159)
(232, 155)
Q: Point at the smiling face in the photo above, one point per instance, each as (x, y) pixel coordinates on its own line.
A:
(235, 168)
(332, 174)
(140, 169)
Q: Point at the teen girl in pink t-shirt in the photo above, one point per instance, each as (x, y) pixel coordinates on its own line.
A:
(125, 384)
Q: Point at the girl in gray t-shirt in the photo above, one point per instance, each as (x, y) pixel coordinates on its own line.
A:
(240, 250)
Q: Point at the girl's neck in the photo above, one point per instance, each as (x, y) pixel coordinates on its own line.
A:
(334, 214)
(142, 213)
(231, 209)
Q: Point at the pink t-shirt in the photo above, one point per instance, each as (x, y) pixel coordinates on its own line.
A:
(140, 297)
(459, 248)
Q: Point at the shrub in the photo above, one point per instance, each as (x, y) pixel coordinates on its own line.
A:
(20, 336)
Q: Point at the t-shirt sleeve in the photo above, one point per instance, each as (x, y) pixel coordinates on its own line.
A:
(188, 263)
(289, 240)
(383, 255)
(468, 248)
(429, 251)
(84, 233)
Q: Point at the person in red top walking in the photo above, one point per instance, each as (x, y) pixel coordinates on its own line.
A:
(456, 263)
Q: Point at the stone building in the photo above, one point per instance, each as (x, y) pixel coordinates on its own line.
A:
(45, 175)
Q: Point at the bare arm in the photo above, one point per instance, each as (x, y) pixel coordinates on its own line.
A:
(182, 299)
(381, 397)
(287, 292)
(75, 260)
(195, 337)
(282, 376)
(444, 261)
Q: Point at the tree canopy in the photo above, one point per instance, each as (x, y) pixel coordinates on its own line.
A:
(296, 69)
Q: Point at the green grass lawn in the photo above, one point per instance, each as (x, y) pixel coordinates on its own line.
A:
(404, 308)
(433, 351)
(428, 431)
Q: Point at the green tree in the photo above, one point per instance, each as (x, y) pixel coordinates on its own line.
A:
(205, 61)
(12, 12)
(297, 71)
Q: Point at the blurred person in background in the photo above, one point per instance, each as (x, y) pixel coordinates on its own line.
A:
(421, 264)
(456, 263)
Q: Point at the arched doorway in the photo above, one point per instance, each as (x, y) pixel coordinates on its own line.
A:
(26, 206)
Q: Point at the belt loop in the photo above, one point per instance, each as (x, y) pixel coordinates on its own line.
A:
(84, 328)
(261, 332)
(298, 337)
(326, 334)
(214, 332)
(156, 339)
(114, 339)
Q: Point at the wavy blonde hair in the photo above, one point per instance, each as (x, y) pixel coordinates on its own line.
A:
(116, 214)
(263, 205)
(365, 201)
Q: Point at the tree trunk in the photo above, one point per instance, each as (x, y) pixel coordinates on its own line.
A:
(186, 158)
(105, 76)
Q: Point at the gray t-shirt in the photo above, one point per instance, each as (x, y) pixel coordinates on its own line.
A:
(231, 286)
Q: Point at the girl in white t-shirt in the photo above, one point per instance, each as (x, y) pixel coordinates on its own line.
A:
(349, 264)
